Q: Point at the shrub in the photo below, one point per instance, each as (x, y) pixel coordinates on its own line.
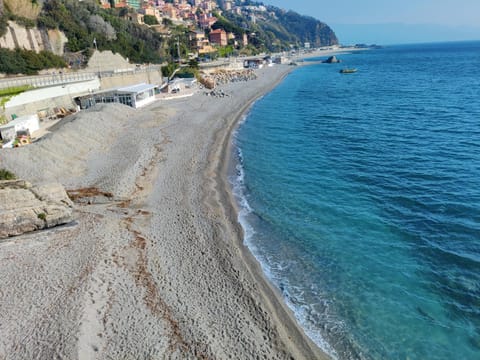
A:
(168, 70)
(42, 216)
(150, 20)
(6, 175)
(21, 61)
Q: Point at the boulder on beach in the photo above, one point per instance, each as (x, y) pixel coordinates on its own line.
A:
(208, 82)
(25, 208)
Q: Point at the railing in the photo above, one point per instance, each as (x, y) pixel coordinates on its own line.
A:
(45, 80)
(59, 78)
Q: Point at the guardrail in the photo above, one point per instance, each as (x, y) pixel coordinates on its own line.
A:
(59, 78)
(46, 80)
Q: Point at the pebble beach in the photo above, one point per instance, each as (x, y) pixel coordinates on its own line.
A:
(154, 265)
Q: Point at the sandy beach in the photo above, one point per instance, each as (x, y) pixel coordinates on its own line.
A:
(154, 266)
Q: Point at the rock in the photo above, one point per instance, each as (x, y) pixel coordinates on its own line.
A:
(221, 77)
(25, 208)
(332, 60)
(207, 82)
(15, 184)
(53, 193)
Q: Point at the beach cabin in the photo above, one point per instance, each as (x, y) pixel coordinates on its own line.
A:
(253, 63)
(140, 94)
(28, 123)
(135, 96)
(280, 60)
(178, 85)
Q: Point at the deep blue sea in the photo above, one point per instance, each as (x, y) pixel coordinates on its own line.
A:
(360, 197)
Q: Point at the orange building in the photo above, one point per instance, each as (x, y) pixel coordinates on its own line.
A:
(219, 37)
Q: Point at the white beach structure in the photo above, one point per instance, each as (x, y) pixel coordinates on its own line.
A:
(135, 96)
(141, 94)
(28, 123)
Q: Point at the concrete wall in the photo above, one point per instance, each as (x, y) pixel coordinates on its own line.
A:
(47, 98)
(33, 101)
(116, 71)
(222, 65)
(125, 79)
(59, 90)
(108, 61)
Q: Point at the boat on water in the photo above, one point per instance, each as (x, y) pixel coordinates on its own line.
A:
(348, 71)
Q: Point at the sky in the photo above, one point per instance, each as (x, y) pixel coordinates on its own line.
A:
(393, 21)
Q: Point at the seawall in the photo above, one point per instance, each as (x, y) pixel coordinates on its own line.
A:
(60, 93)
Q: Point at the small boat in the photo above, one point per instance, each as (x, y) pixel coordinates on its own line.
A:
(348, 71)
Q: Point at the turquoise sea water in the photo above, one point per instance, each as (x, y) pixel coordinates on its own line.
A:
(360, 196)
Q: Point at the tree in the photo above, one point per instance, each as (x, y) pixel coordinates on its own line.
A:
(193, 64)
(167, 22)
(168, 69)
(21, 61)
(82, 21)
(150, 20)
(97, 24)
(225, 51)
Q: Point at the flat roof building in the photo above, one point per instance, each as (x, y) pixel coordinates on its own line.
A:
(28, 123)
(135, 96)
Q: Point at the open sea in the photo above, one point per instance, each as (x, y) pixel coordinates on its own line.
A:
(360, 197)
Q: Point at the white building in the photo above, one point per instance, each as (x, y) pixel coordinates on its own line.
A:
(135, 96)
(141, 94)
(28, 123)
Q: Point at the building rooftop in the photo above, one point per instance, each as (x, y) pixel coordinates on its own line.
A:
(138, 88)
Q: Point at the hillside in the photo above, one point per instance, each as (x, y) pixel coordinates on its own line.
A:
(251, 28)
(273, 29)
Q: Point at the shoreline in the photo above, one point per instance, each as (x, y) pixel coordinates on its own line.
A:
(159, 270)
(284, 317)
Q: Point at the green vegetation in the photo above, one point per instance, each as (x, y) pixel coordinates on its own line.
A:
(225, 51)
(138, 43)
(278, 30)
(230, 25)
(85, 21)
(3, 24)
(14, 90)
(69, 16)
(168, 69)
(6, 175)
(185, 71)
(306, 28)
(88, 26)
(28, 62)
(6, 95)
(150, 20)
(42, 216)
(24, 12)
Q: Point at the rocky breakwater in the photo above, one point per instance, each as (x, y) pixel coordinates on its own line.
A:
(224, 76)
(25, 208)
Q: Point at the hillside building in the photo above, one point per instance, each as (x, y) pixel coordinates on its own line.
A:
(136, 4)
(205, 21)
(219, 37)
